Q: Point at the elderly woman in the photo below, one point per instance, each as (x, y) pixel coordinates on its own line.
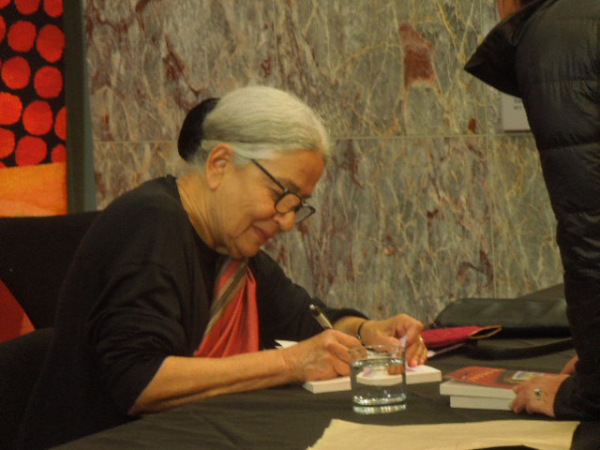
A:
(170, 299)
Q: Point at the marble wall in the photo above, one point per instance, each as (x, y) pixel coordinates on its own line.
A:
(425, 200)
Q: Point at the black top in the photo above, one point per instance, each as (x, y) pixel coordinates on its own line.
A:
(139, 290)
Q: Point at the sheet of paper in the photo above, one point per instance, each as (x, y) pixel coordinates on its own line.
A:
(281, 343)
(539, 434)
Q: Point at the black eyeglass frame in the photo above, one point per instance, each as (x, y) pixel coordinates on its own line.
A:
(302, 206)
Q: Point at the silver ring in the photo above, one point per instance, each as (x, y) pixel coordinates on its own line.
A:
(421, 340)
(538, 393)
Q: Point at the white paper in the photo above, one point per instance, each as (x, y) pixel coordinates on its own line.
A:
(539, 434)
(514, 117)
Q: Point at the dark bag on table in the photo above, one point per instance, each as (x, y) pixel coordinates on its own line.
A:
(513, 318)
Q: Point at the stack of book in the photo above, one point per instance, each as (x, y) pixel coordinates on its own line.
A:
(414, 375)
(479, 387)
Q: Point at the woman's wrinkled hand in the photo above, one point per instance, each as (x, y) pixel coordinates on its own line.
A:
(537, 394)
(389, 331)
(321, 357)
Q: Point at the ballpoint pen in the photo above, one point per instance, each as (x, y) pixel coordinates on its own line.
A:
(321, 318)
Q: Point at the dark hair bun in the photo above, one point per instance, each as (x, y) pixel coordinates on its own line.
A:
(191, 134)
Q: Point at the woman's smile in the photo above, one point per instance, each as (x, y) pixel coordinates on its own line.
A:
(262, 234)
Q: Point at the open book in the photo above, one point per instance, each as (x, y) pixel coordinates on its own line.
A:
(414, 375)
(479, 387)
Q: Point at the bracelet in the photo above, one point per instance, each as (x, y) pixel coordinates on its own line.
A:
(358, 335)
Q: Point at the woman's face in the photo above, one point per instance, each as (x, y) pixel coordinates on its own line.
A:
(246, 196)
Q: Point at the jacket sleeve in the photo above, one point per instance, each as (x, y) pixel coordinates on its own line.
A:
(570, 404)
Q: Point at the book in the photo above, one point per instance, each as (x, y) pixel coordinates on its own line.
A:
(458, 388)
(414, 375)
(462, 401)
(477, 396)
(480, 387)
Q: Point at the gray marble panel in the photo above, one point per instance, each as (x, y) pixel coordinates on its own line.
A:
(403, 226)
(149, 62)
(425, 199)
(384, 68)
(122, 166)
(527, 256)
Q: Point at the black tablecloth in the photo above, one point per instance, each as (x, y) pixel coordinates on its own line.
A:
(290, 417)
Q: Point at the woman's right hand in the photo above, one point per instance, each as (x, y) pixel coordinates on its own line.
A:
(321, 357)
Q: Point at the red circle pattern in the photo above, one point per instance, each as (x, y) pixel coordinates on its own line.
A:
(30, 151)
(60, 126)
(59, 153)
(16, 73)
(50, 43)
(2, 28)
(27, 7)
(33, 117)
(37, 118)
(11, 108)
(7, 142)
(48, 82)
(54, 8)
(21, 36)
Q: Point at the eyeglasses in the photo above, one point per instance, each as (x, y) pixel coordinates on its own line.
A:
(289, 201)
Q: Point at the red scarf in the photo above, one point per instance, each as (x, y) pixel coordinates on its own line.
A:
(233, 324)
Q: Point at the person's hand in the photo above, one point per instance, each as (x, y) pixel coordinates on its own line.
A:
(569, 368)
(537, 394)
(388, 331)
(321, 357)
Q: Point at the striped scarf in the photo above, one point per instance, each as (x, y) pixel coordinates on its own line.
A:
(233, 324)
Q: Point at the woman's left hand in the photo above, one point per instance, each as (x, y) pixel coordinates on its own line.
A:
(570, 367)
(389, 331)
(537, 395)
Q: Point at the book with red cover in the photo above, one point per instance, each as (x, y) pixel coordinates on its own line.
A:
(491, 376)
(479, 387)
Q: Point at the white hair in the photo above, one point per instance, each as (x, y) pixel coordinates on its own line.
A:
(259, 122)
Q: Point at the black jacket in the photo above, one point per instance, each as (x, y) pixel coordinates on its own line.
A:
(548, 53)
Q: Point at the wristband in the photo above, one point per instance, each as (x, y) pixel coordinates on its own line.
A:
(358, 335)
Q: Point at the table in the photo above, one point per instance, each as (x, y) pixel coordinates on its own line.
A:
(290, 417)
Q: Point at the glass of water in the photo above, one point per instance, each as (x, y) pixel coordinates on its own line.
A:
(378, 379)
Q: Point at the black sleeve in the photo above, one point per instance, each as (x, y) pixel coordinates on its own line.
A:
(143, 304)
(283, 306)
(570, 404)
(136, 331)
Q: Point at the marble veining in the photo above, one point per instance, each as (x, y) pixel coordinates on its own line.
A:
(425, 198)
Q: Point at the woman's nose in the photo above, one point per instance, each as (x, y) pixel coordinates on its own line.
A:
(286, 221)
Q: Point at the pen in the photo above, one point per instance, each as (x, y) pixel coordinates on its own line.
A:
(320, 317)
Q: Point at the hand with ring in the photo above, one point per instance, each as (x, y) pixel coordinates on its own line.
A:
(537, 394)
(389, 331)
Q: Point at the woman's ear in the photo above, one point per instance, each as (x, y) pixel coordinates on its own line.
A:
(220, 160)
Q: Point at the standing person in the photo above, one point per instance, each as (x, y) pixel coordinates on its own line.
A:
(547, 52)
(170, 300)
